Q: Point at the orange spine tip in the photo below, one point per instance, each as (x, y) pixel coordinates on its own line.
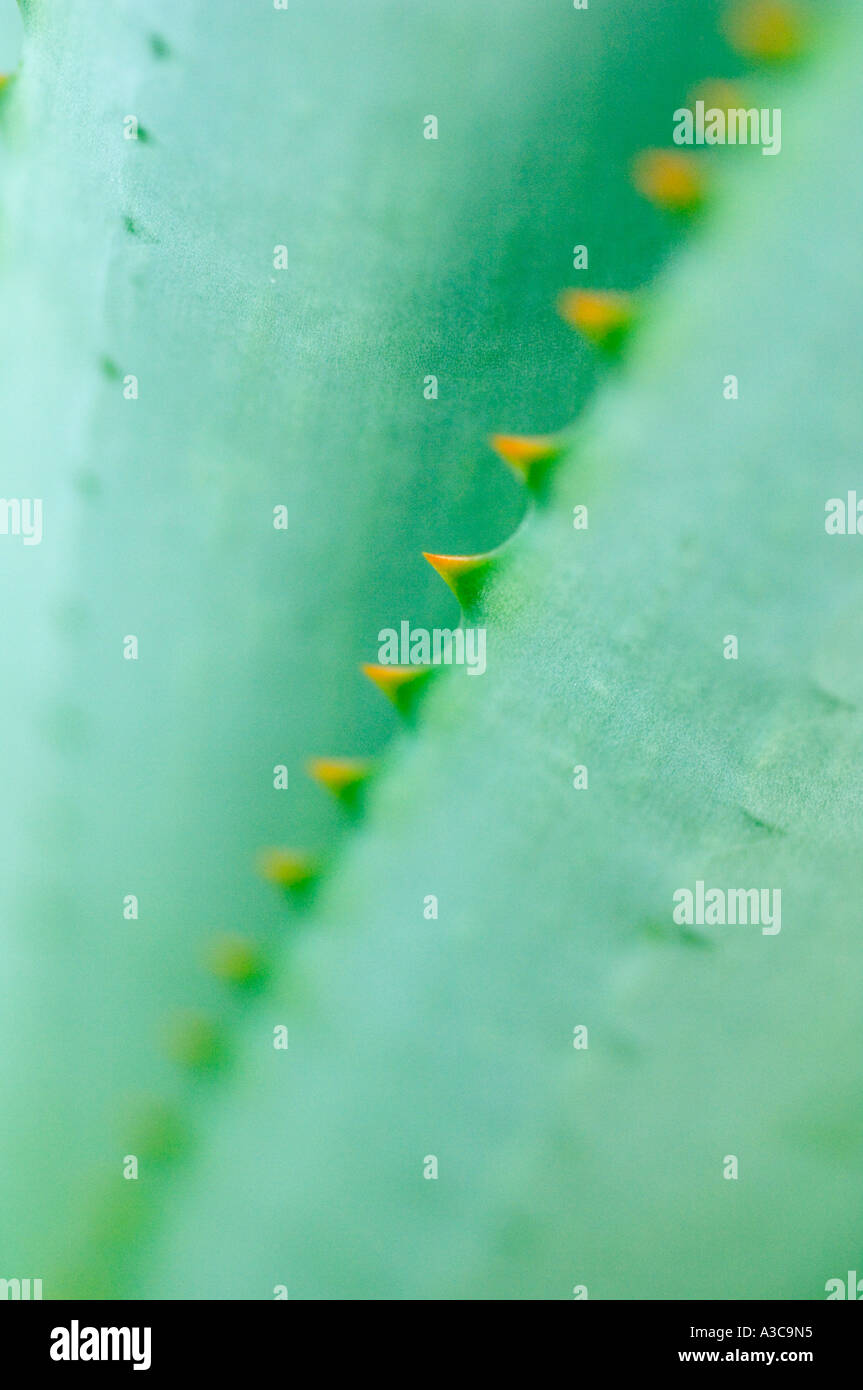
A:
(770, 30)
(603, 316)
(395, 681)
(669, 178)
(157, 1129)
(341, 776)
(460, 572)
(719, 94)
(236, 960)
(524, 453)
(196, 1041)
(286, 867)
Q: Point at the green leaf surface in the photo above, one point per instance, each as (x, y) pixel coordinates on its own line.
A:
(453, 1038)
(257, 388)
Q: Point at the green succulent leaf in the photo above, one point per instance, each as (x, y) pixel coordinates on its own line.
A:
(164, 385)
(605, 1166)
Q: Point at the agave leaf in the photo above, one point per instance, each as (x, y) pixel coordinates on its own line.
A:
(154, 258)
(453, 1038)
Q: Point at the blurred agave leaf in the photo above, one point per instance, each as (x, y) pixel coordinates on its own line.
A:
(154, 258)
(453, 1038)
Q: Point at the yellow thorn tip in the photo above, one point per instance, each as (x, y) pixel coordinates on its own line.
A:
(453, 568)
(670, 179)
(235, 959)
(719, 94)
(599, 314)
(392, 680)
(196, 1041)
(339, 775)
(287, 868)
(522, 452)
(770, 30)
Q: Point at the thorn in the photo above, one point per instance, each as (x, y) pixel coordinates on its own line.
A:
(287, 868)
(770, 30)
(236, 960)
(527, 455)
(720, 94)
(465, 574)
(196, 1041)
(603, 316)
(671, 179)
(342, 776)
(400, 684)
(159, 47)
(156, 1130)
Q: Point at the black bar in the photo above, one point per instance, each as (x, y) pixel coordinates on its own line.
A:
(223, 1338)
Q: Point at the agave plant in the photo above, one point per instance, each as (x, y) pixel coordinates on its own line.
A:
(272, 279)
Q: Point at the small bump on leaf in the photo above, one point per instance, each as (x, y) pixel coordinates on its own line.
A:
(770, 30)
(529, 456)
(287, 868)
(671, 179)
(602, 316)
(197, 1042)
(465, 574)
(342, 776)
(236, 960)
(400, 684)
